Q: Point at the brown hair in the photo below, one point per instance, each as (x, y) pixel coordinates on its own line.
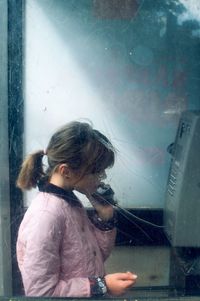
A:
(77, 144)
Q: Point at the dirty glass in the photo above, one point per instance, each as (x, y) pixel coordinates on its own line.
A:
(130, 67)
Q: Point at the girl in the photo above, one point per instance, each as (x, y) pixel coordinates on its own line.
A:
(60, 250)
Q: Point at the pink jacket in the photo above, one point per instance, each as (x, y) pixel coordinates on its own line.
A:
(58, 248)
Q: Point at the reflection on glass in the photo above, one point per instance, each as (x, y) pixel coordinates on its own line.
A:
(132, 69)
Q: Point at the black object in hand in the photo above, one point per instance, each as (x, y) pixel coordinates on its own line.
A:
(104, 195)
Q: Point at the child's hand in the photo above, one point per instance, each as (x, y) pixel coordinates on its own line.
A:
(118, 283)
(105, 212)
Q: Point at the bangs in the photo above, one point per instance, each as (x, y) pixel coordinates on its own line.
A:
(102, 162)
(100, 156)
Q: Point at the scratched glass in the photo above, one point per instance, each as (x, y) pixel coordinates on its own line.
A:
(131, 67)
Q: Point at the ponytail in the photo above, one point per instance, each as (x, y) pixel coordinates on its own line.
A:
(31, 171)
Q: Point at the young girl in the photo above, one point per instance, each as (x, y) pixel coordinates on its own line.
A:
(60, 250)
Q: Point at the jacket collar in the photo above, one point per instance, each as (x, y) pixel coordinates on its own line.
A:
(67, 195)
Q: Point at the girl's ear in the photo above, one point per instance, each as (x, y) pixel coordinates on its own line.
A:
(65, 170)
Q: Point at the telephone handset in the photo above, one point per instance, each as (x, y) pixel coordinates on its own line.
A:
(104, 195)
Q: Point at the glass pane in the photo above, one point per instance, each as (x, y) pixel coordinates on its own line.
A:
(131, 68)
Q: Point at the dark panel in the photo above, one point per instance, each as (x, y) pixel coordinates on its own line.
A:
(140, 227)
(15, 120)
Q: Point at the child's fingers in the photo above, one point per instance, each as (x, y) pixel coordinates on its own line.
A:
(131, 275)
(129, 283)
(126, 276)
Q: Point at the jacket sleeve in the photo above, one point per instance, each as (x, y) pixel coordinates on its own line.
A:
(41, 264)
(106, 241)
(105, 233)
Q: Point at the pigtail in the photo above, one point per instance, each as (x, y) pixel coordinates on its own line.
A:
(31, 171)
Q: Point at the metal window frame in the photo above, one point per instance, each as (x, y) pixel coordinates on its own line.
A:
(5, 237)
(11, 131)
(15, 124)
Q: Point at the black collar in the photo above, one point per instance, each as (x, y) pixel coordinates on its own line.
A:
(67, 195)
